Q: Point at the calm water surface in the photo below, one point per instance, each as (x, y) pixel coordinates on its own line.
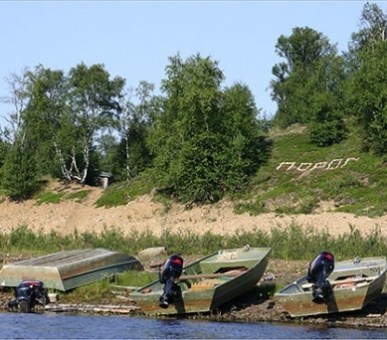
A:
(65, 326)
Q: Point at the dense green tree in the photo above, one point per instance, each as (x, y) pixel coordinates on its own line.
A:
(369, 96)
(245, 131)
(4, 148)
(201, 136)
(326, 124)
(48, 121)
(305, 52)
(309, 85)
(366, 92)
(19, 174)
(186, 137)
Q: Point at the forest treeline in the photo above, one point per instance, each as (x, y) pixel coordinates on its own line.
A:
(198, 140)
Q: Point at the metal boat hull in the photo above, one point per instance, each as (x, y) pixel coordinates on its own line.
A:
(354, 286)
(201, 292)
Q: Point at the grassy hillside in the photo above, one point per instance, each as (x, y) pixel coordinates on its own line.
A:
(353, 180)
(298, 179)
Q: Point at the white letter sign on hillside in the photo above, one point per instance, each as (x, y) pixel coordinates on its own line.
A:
(332, 165)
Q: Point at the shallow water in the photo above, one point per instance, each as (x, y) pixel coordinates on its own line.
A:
(66, 326)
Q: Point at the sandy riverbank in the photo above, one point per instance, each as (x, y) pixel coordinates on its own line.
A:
(145, 214)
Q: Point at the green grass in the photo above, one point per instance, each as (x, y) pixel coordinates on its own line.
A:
(358, 187)
(49, 197)
(135, 278)
(121, 193)
(102, 289)
(290, 243)
(56, 197)
(90, 293)
(78, 196)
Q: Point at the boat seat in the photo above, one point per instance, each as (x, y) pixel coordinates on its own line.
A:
(356, 281)
(343, 282)
(215, 266)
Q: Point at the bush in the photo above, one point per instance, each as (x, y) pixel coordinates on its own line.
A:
(19, 174)
(327, 133)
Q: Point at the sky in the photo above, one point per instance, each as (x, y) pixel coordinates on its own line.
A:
(134, 39)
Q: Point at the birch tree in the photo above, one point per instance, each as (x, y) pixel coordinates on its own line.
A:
(134, 121)
(94, 104)
(48, 121)
(17, 100)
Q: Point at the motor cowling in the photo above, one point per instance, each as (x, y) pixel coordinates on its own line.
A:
(319, 270)
(172, 270)
(30, 291)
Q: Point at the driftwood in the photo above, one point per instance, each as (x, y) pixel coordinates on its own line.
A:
(91, 308)
(157, 265)
(126, 288)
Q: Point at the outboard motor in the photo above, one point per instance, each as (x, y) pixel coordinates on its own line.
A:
(172, 270)
(28, 294)
(318, 272)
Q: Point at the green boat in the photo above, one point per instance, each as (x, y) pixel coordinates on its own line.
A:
(68, 269)
(209, 282)
(355, 283)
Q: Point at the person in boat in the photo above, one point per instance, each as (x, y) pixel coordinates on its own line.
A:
(172, 270)
(319, 270)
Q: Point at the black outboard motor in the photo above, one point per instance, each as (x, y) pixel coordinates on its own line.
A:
(318, 272)
(28, 294)
(172, 271)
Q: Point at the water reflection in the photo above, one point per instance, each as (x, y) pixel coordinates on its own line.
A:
(65, 326)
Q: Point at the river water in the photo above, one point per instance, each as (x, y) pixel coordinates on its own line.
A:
(67, 326)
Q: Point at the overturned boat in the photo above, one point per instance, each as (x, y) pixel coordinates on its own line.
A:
(67, 270)
(354, 284)
(207, 283)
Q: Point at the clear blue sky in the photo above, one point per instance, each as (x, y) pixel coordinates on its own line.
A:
(134, 39)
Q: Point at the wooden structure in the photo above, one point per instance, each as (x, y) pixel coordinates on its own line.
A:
(209, 282)
(104, 179)
(355, 283)
(68, 269)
